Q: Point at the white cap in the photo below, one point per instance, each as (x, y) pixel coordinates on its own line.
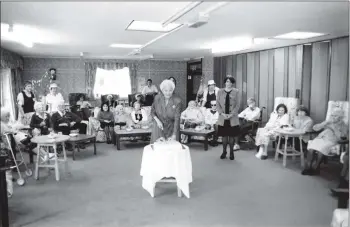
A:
(53, 85)
(211, 82)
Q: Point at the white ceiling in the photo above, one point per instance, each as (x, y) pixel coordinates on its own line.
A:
(91, 27)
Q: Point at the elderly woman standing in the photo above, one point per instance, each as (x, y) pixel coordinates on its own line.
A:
(227, 104)
(111, 102)
(25, 101)
(333, 130)
(166, 111)
(279, 118)
(54, 98)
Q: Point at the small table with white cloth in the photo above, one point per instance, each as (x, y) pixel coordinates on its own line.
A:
(290, 151)
(163, 160)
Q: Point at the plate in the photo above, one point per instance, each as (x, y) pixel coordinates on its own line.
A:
(128, 129)
(73, 134)
(52, 136)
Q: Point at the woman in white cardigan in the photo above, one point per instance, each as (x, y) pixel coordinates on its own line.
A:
(138, 115)
(278, 119)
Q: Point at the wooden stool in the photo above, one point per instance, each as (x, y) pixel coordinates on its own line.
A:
(47, 142)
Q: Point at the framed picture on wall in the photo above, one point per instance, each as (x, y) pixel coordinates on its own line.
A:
(52, 73)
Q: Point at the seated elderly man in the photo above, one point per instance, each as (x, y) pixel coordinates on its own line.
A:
(248, 116)
(333, 130)
(63, 121)
(192, 116)
(211, 117)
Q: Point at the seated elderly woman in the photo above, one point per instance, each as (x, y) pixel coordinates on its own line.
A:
(138, 115)
(41, 121)
(304, 122)
(106, 119)
(278, 119)
(192, 116)
(333, 130)
(120, 117)
(13, 128)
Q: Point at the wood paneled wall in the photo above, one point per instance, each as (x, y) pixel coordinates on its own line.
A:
(313, 73)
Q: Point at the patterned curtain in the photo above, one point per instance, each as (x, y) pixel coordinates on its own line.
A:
(17, 85)
(90, 73)
(10, 60)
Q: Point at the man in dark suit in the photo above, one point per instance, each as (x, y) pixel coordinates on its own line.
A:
(64, 121)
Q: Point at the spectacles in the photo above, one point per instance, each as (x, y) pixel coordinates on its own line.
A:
(213, 104)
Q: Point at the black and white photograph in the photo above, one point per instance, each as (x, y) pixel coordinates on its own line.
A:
(174, 113)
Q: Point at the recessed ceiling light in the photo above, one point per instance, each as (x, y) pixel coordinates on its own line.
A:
(231, 45)
(123, 45)
(299, 35)
(149, 26)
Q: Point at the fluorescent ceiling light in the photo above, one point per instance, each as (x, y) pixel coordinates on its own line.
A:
(27, 35)
(299, 35)
(231, 45)
(121, 45)
(149, 26)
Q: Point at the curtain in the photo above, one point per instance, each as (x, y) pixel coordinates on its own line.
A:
(90, 73)
(220, 70)
(7, 95)
(17, 86)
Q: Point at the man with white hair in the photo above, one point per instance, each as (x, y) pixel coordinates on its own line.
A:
(248, 116)
(63, 121)
(54, 98)
(210, 94)
(166, 111)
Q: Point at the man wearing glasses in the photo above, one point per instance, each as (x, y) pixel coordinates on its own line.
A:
(211, 117)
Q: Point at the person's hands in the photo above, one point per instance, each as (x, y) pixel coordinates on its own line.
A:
(160, 124)
(172, 138)
(63, 124)
(72, 123)
(161, 139)
(42, 123)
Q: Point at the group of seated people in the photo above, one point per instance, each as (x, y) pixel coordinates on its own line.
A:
(197, 115)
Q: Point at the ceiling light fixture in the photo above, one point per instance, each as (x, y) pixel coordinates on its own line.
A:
(121, 45)
(231, 45)
(182, 12)
(148, 26)
(299, 35)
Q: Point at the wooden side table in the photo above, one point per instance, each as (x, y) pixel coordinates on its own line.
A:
(290, 151)
(204, 133)
(76, 140)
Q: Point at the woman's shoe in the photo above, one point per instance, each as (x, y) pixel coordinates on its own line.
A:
(223, 155)
(232, 156)
(306, 172)
(263, 157)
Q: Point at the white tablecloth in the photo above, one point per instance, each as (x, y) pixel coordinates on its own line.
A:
(158, 163)
(340, 218)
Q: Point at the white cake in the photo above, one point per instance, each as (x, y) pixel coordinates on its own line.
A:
(167, 145)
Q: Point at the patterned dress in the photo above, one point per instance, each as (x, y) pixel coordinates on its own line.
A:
(264, 135)
(168, 114)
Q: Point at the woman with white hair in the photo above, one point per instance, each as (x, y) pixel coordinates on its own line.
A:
(333, 130)
(41, 121)
(166, 112)
(111, 102)
(54, 98)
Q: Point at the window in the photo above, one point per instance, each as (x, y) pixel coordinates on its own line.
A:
(116, 82)
(7, 100)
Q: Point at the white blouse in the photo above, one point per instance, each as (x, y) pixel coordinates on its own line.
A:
(54, 101)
